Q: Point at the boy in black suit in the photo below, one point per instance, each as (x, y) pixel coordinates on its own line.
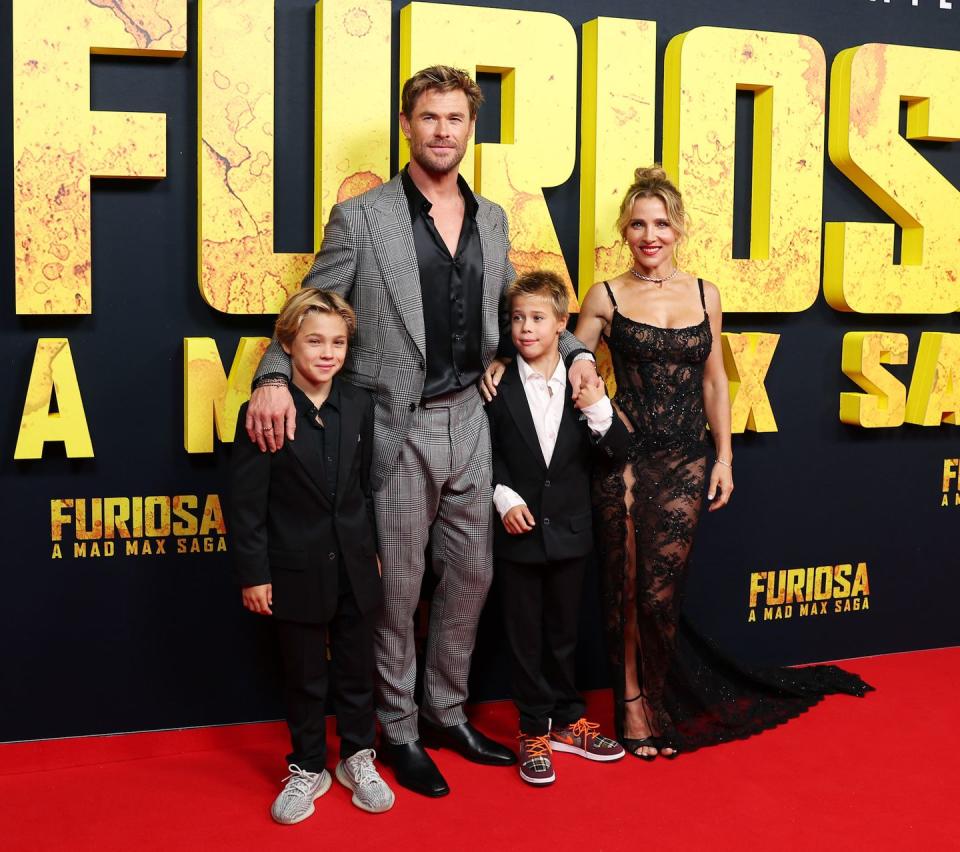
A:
(541, 473)
(303, 533)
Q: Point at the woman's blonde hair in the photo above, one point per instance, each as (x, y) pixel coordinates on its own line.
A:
(310, 300)
(652, 182)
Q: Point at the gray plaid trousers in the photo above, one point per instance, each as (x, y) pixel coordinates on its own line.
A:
(439, 486)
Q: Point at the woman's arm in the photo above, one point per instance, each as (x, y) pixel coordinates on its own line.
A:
(716, 404)
(594, 318)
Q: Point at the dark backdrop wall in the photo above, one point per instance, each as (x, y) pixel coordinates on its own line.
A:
(123, 643)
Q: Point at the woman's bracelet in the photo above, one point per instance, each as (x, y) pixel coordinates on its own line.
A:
(725, 463)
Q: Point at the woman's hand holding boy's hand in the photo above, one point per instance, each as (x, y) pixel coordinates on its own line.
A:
(259, 599)
(519, 520)
(589, 394)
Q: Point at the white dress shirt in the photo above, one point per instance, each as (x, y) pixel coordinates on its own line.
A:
(545, 396)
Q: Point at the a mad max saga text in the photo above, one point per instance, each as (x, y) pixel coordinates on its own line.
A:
(85, 527)
(805, 592)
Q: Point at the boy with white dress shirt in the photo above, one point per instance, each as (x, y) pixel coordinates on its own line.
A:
(542, 445)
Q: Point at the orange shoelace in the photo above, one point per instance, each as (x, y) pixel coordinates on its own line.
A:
(585, 729)
(535, 746)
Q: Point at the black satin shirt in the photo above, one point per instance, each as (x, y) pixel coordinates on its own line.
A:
(452, 293)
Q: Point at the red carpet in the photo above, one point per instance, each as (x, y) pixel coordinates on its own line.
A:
(876, 773)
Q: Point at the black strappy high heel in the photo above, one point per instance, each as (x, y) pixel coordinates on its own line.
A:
(633, 746)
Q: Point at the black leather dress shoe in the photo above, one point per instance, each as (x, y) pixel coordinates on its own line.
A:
(469, 742)
(414, 768)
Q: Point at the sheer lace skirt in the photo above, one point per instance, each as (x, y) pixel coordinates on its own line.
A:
(693, 695)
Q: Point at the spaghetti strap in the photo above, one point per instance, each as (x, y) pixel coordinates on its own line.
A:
(610, 294)
(703, 300)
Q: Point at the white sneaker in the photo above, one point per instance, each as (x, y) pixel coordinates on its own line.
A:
(295, 802)
(370, 791)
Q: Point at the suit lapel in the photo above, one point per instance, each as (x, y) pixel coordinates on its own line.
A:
(350, 414)
(492, 282)
(304, 452)
(511, 388)
(389, 221)
(569, 429)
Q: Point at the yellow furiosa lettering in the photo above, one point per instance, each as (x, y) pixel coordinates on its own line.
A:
(209, 396)
(239, 272)
(535, 54)
(883, 404)
(53, 372)
(59, 143)
(616, 134)
(951, 472)
(787, 73)
(867, 86)
(58, 519)
(935, 387)
(747, 358)
(184, 507)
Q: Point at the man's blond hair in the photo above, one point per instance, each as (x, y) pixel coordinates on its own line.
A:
(440, 78)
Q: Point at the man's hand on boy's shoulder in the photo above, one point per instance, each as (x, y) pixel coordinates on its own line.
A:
(518, 520)
(271, 415)
(259, 599)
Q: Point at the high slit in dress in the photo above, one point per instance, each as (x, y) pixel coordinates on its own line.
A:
(646, 514)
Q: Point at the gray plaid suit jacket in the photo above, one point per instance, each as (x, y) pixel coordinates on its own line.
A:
(368, 257)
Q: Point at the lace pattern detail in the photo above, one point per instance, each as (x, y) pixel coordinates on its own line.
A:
(646, 512)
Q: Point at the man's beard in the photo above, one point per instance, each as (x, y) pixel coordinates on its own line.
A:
(422, 156)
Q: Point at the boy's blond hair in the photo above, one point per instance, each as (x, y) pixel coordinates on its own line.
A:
(541, 282)
(310, 300)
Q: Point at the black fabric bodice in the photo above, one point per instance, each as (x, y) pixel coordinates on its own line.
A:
(660, 382)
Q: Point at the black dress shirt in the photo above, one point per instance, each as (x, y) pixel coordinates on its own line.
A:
(325, 439)
(452, 293)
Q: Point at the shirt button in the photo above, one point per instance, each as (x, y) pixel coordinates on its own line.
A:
(546, 522)
(331, 555)
(546, 484)
(413, 406)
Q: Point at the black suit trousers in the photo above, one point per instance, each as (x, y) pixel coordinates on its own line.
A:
(541, 608)
(303, 648)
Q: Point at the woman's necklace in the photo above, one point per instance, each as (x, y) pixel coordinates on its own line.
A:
(658, 281)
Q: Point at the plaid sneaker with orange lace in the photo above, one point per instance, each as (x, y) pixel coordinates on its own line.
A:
(581, 738)
(534, 760)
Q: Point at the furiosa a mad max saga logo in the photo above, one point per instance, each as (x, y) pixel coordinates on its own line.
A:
(85, 527)
(817, 590)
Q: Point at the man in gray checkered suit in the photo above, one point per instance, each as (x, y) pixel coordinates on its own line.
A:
(423, 261)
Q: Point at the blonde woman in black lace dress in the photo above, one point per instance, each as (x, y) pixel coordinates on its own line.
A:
(674, 690)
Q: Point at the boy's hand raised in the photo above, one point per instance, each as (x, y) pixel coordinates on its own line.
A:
(518, 520)
(583, 374)
(259, 599)
(589, 394)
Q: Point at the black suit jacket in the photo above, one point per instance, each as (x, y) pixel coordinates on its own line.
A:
(558, 495)
(284, 528)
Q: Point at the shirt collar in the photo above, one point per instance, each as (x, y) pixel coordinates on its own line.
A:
(526, 371)
(418, 202)
(305, 406)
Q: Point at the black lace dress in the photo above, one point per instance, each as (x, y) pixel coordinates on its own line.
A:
(646, 515)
